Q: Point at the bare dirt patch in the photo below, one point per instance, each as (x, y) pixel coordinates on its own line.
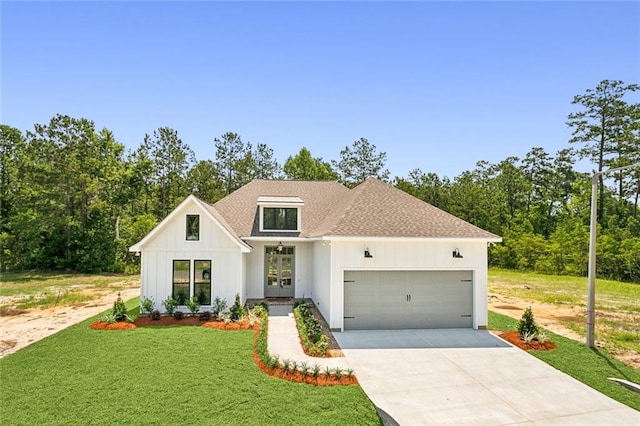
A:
(18, 331)
(546, 315)
(554, 318)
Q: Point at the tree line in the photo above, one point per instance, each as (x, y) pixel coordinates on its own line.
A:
(72, 197)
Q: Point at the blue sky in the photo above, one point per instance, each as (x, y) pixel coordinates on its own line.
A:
(436, 85)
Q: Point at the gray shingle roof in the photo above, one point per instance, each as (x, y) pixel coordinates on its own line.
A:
(377, 209)
(372, 209)
(240, 208)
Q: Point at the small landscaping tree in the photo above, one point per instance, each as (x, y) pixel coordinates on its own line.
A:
(118, 312)
(527, 324)
(237, 310)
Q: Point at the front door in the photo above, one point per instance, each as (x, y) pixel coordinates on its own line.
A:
(279, 279)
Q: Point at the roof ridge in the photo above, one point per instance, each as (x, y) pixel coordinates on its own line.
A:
(345, 207)
(354, 193)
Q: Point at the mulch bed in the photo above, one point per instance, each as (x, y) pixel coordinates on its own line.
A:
(297, 377)
(168, 321)
(514, 338)
(103, 325)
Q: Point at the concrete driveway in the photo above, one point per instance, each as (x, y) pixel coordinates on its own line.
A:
(470, 377)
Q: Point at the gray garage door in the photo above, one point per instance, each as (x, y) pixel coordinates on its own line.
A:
(388, 300)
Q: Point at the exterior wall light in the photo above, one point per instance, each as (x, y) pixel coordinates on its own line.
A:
(367, 253)
(456, 254)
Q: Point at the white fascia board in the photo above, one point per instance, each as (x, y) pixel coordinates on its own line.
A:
(409, 239)
(281, 238)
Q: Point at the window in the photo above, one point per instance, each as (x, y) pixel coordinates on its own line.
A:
(181, 280)
(280, 218)
(202, 281)
(182, 290)
(193, 227)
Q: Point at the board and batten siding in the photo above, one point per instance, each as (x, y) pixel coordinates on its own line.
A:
(321, 288)
(171, 244)
(417, 255)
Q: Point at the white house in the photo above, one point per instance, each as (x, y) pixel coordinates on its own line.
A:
(371, 257)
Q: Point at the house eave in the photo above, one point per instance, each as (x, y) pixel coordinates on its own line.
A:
(410, 239)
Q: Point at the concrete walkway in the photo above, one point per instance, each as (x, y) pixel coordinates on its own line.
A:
(284, 342)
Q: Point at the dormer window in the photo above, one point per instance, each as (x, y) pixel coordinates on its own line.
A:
(193, 227)
(281, 214)
(280, 219)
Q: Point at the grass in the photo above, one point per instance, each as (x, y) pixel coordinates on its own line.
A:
(590, 366)
(44, 290)
(617, 306)
(166, 375)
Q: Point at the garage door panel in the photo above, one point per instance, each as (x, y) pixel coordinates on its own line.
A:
(408, 299)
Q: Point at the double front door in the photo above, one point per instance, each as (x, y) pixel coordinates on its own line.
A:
(279, 274)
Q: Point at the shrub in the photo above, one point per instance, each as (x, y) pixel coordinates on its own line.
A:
(338, 373)
(315, 371)
(528, 337)
(527, 324)
(193, 305)
(314, 341)
(225, 316)
(109, 318)
(181, 297)
(202, 297)
(254, 314)
(261, 343)
(155, 315)
(304, 369)
(147, 305)
(237, 310)
(170, 305)
(542, 337)
(218, 306)
(205, 316)
(286, 365)
(264, 306)
(178, 315)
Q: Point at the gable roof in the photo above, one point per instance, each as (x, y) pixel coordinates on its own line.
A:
(212, 214)
(371, 209)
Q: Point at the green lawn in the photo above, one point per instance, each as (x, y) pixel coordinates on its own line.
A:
(174, 375)
(617, 303)
(590, 366)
